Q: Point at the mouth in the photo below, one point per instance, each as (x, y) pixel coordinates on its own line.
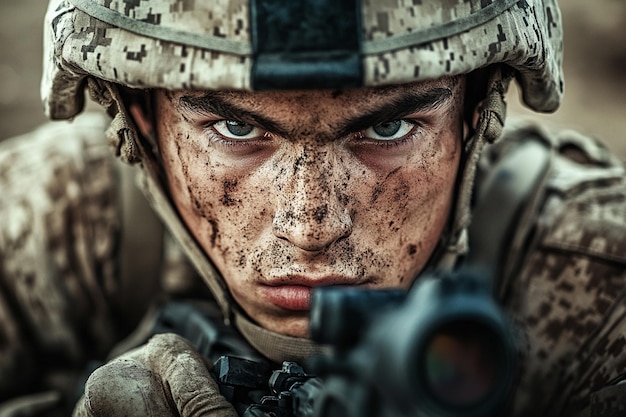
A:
(293, 293)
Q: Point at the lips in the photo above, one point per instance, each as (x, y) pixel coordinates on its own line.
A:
(294, 293)
(289, 297)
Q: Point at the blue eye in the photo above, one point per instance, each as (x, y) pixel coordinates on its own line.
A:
(238, 128)
(387, 129)
(233, 129)
(393, 129)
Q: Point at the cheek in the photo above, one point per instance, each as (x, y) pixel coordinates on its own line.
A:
(223, 210)
(422, 181)
(190, 176)
(406, 212)
(410, 207)
(184, 165)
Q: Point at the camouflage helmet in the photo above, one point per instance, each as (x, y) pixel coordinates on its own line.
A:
(241, 44)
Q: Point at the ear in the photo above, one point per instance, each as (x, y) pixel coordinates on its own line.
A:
(141, 119)
(138, 103)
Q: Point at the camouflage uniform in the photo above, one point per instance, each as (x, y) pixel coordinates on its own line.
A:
(59, 236)
(82, 256)
(64, 301)
(67, 281)
(564, 280)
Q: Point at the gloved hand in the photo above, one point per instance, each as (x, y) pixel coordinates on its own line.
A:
(165, 377)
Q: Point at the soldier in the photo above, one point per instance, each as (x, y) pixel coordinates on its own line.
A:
(285, 146)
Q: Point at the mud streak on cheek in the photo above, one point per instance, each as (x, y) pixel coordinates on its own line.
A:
(200, 207)
(186, 179)
(229, 186)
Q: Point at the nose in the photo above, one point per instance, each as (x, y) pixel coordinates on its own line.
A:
(312, 210)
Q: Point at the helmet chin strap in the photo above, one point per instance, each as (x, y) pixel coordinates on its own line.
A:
(488, 129)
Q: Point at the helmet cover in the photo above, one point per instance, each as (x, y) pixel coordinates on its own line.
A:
(201, 44)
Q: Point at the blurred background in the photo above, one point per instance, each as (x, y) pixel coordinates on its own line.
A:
(595, 70)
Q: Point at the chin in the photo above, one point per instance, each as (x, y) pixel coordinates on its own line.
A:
(296, 327)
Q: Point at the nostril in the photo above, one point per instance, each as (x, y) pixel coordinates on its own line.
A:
(312, 230)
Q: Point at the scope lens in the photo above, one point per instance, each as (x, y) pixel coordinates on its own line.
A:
(463, 361)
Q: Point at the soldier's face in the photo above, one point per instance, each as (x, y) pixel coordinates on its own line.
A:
(287, 191)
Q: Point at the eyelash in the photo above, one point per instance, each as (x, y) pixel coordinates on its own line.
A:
(416, 130)
(220, 139)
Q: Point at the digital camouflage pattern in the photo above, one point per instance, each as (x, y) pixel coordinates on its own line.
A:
(60, 299)
(567, 292)
(527, 36)
(58, 234)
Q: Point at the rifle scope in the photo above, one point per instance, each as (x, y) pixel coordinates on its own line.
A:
(444, 349)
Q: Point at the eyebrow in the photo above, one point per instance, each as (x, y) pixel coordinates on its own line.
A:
(398, 108)
(214, 102)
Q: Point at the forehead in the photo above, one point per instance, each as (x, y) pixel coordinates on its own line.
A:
(347, 101)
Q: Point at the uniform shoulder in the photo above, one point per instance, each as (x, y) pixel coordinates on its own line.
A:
(58, 236)
(578, 206)
(568, 278)
(583, 198)
(52, 140)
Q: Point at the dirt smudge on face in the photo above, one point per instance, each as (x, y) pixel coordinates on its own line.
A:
(321, 213)
(298, 163)
(230, 186)
(378, 190)
(214, 231)
(401, 192)
(380, 187)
